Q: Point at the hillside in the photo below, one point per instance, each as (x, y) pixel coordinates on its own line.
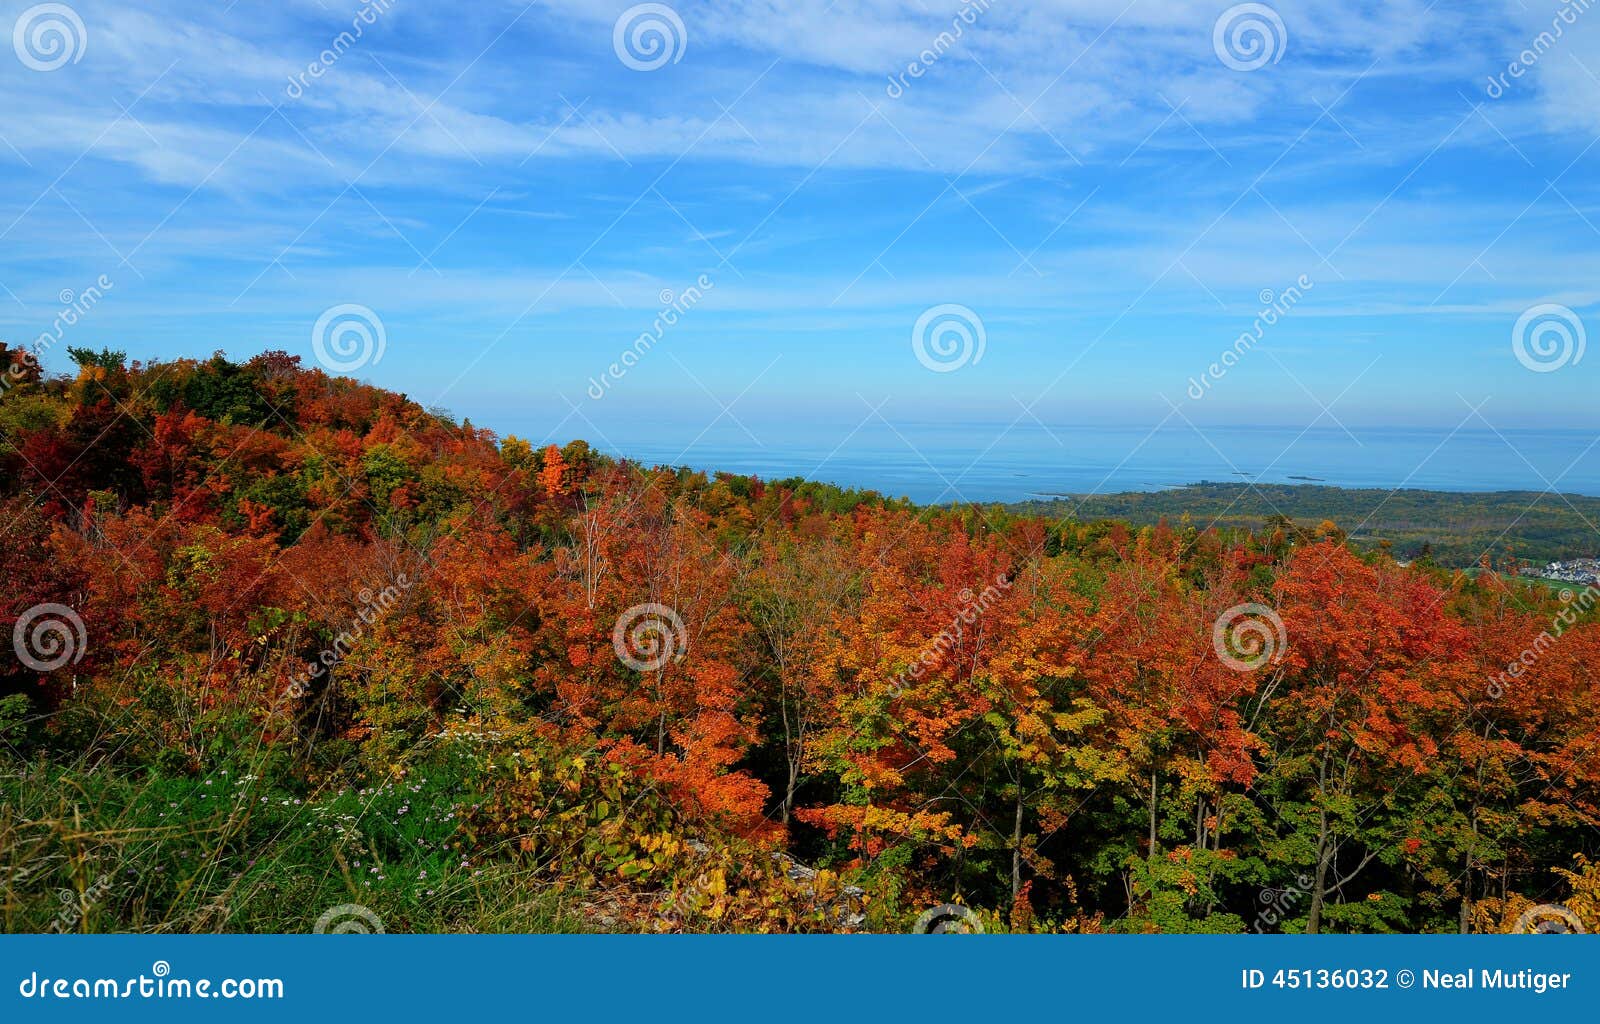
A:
(289, 646)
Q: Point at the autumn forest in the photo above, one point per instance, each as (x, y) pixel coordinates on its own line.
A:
(284, 642)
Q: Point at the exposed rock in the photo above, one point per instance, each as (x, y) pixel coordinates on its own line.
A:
(848, 913)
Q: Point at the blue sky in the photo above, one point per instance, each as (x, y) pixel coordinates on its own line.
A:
(1093, 181)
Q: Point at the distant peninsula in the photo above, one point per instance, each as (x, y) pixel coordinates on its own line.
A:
(1453, 528)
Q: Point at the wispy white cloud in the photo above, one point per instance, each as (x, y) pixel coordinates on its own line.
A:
(1086, 173)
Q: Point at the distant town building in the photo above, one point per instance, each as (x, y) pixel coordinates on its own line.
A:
(1584, 571)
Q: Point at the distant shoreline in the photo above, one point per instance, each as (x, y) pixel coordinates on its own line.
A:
(1454, 528)
(935, 465)
(1310, 483)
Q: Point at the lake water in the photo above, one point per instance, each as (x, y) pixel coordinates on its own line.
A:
(942, 463)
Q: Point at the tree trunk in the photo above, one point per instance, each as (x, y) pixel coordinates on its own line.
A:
(1016, 849)
(1324, 855)
(788, 792)
(1152, 813)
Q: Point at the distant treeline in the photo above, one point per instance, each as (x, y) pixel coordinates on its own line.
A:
(1454, 529)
